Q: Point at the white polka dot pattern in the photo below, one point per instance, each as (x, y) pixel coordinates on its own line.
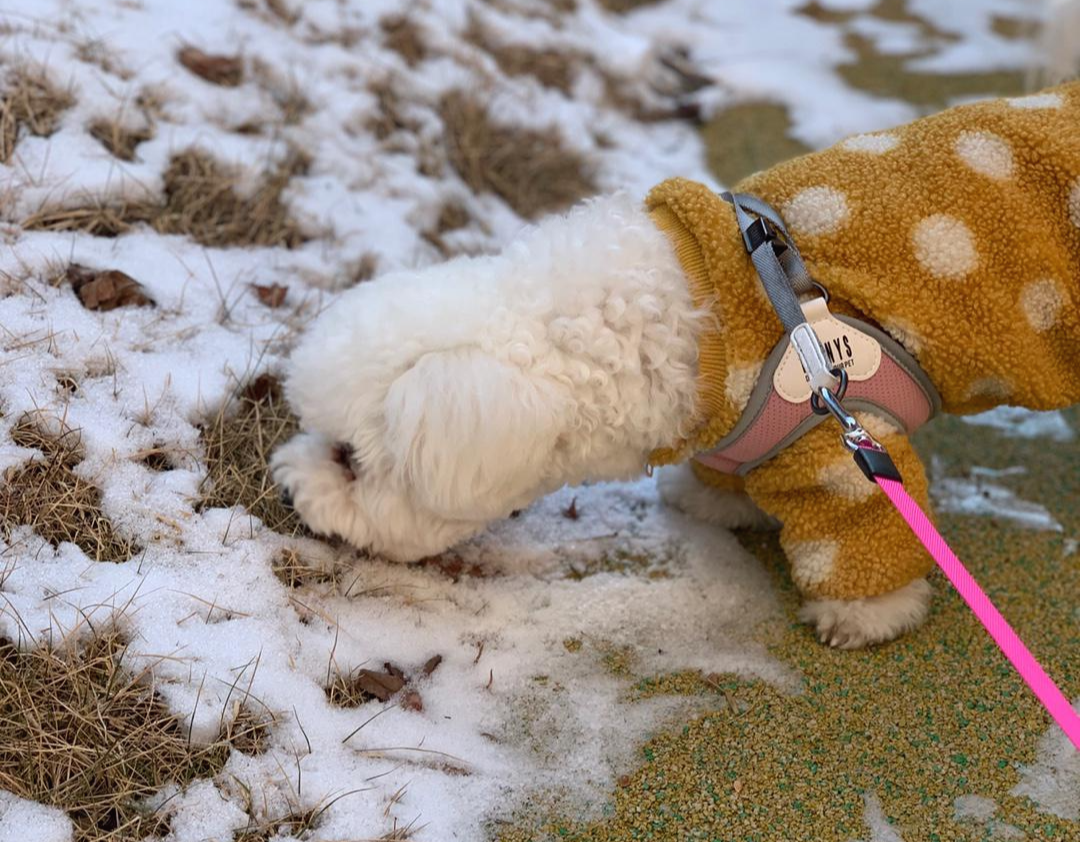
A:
(905, 333)
(1037, 101)
(816, 210)
(871, 144)
(1041, 302)
(945, 246)
(1074, 203)
(843, 478)
(740, 383)
(986, 153)
(812, 561)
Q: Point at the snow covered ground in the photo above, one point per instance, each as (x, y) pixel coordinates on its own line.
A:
(526, 698)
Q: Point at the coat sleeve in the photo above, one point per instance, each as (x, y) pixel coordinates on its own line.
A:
(841, 535)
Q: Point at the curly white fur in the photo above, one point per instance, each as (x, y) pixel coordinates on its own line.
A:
(470, 389)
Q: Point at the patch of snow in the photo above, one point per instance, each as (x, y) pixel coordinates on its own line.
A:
(27, 821)
(974, 495)
(1053, 780)
(876, 821)
(1017, 422)
(981, 810)
(975, 807)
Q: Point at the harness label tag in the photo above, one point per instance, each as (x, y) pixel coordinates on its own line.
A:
(844, 347)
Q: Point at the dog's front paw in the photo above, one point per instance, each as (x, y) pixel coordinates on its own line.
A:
(290, 462)
(311, 479)
(855, 623)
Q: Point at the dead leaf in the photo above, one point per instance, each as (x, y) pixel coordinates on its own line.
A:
(106, 289)
(453, 565)
(216, 69)
(412, 701)
(571, 511)
(432, 664)
(272, 296)
(381, 685)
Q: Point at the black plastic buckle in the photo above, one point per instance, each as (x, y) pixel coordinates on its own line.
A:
(757, 234)
(876, 463)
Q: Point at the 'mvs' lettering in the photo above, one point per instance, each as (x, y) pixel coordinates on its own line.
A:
(838, 351)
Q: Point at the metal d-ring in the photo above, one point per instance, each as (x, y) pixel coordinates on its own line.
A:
(828, 403)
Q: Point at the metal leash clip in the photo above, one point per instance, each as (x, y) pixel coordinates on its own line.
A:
(870, 455)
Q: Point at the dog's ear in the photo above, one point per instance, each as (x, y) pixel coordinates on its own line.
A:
(471, 434)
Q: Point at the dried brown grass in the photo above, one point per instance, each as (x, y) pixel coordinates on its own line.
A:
(294, 571)
(227, 71)
(30, 102)
(238, 442)
(551, 68)
(292, 826)
(532, 171)
(120, 140)
(80, 733)
(390, 114)
(403, 36)
(453, 216)
(621, 7)
(286, 91)
(364, 685)
(201, 201)
(54, 501)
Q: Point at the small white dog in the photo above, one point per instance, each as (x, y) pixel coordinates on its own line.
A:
(469, 389)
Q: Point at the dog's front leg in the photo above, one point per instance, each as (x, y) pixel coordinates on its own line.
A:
(858, 566)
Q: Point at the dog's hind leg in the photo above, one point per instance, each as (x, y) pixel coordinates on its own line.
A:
(711, 496)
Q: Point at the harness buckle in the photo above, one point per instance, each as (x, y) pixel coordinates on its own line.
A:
(818, 373)
(758, 233)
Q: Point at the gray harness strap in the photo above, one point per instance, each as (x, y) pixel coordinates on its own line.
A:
(778, 263)
(784, 277)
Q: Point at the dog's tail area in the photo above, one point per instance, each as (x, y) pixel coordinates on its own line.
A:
(470, 434)
(1059, 48)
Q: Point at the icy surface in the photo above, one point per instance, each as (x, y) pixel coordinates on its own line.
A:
(877, 825)
(976, 494)
(1017, 422)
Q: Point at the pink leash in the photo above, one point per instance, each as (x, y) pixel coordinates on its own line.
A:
(1007, 640)
(877, 465)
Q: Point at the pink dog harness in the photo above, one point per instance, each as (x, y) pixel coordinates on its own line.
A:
(891, 384)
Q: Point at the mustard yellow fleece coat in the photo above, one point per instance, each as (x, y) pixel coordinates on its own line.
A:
(959, 235)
